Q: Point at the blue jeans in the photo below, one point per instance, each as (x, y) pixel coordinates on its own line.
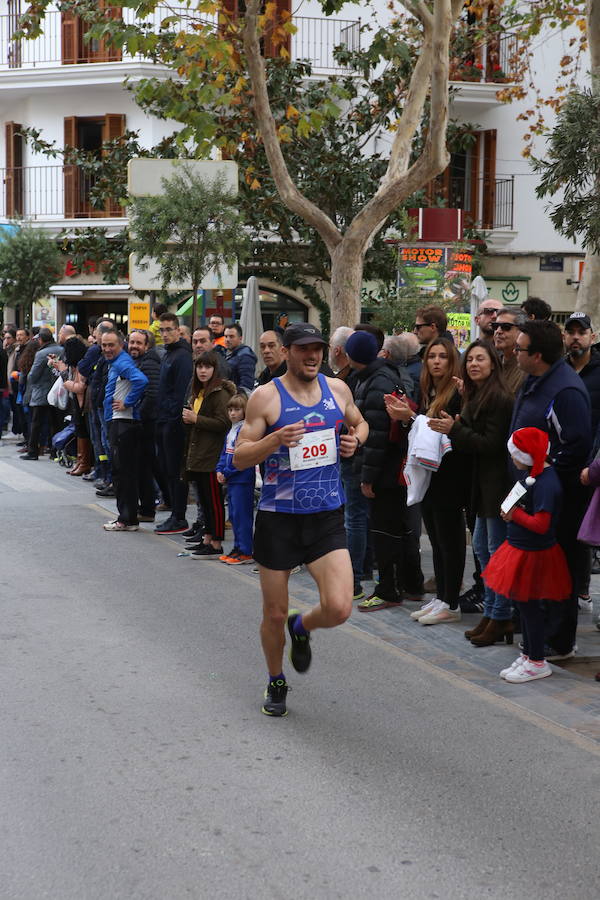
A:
(488, 535)
(4, 412)
(356, 518)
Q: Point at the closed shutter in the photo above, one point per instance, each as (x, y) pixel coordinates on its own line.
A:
(113, 128)
(71, 173)
(102, 51)
(489, 178)
(71, 39)
(14, 170)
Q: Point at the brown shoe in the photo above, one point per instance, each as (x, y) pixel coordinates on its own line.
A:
(430, 586)
(163, 507)
(495, 631)
(479, 628)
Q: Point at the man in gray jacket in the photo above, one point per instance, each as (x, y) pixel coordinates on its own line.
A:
(42, 378)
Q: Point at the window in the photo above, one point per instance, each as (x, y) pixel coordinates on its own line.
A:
(88, 133)
(13, 180)
(271, 49)
(76, 50)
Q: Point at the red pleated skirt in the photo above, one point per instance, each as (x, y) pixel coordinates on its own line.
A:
(523, 575)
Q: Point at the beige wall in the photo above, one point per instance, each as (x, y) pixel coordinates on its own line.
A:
(550, 286)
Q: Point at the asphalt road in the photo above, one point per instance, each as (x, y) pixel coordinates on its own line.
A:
(136, 763)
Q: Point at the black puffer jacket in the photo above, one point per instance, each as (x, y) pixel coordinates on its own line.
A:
(590, 375)
(175, 374)
(377, 461)
(149, 364)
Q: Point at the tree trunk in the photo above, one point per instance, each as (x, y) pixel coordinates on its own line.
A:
(588, 295)
(346, 283)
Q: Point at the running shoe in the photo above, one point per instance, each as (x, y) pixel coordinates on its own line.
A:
(358, 593)
(275, 696)
(242, 559)
(440, 615)
(300, 652)
(231, 555)
(585, 603)
(518, 662)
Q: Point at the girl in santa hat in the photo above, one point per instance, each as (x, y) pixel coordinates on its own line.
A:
(530, 567)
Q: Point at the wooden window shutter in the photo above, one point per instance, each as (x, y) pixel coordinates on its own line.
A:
(473, 211)
(71, 38)
(71, 172)
(102, 51)
(489, 178)
(14, 170)
(273, 45)
(113, 128)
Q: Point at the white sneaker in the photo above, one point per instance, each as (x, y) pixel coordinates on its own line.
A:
(440, 614)
(518, 662)
(528, 671)
(585, 604)
(119, 526)
(425, 608)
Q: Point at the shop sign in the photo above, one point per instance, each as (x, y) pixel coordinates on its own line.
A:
(139, 315)
(552, 263)
(511, 292)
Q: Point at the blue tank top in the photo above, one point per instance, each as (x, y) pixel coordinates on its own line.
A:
(303, 491)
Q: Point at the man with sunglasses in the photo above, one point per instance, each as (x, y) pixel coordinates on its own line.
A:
(506, 329)
(486, 315)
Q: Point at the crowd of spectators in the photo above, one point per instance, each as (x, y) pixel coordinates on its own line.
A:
(155, 415)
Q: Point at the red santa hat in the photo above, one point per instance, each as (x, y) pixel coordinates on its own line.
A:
(529, 446)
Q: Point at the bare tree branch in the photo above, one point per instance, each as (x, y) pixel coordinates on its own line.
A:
(289, 193)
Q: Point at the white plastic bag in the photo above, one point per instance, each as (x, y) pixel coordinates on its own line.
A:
(58, 395)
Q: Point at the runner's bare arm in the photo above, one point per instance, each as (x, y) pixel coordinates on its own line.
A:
(358, 430)
(252, 445)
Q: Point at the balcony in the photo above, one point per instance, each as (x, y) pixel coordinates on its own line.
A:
(51, 193)
(63, 44)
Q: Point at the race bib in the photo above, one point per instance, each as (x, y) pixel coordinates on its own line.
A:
(313, 450)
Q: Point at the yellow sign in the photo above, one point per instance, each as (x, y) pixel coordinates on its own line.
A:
(139, 315)
(459, 326)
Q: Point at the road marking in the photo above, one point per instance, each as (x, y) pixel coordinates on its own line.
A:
(23, 481)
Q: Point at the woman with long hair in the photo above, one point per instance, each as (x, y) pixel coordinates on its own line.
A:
(208, 423)
(442, 505)
(481, 432)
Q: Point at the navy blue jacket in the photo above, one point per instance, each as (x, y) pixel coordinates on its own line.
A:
(590, 375)
(242, 367)
(558, 403)
(87, 364)
(175, 375)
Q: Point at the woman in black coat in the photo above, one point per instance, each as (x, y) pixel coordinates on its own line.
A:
(481, 432)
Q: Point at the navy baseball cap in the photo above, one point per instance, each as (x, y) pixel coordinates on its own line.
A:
(302, 333)
(579, 318)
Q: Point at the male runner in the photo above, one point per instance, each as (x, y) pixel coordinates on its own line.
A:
(293, 424)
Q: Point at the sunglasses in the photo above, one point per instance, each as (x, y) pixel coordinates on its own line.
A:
(421, 325)
(504, 326)
(488, 311)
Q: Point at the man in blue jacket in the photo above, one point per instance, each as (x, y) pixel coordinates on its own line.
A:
(124, 390)
(554, 398)
(241, 360)
(175, 376)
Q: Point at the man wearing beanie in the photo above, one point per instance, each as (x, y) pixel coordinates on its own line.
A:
(378, 467)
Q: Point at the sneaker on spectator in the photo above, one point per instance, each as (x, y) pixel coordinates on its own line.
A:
(515, 665)
(440, 615)
(107, 491)
(426, 608)
(119, 526)
(194, 530)
(242, 559)
(471, 601)
(144, 518)
(163, 507)
(528, 671)
(430, 586)
(358, 592)
(553, 655)
(231, 555)
(585, 603)
(172, 526)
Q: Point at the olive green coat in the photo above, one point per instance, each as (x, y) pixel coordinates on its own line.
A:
(205, 438)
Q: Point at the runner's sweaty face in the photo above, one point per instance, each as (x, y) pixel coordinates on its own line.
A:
(304, 360)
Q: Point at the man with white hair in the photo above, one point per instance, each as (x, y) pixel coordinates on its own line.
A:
(395, 350)
(66, 332)
(338, 360)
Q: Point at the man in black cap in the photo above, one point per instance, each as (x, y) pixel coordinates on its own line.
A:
(293, 425)
(579, 341)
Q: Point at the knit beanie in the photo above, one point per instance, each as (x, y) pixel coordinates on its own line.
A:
(362, 347)
(529, 446)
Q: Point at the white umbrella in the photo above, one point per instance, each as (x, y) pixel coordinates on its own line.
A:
(251, 321)
(479, 292)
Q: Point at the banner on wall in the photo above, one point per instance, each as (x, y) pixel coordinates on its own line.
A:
(434, 268)
(43, 313)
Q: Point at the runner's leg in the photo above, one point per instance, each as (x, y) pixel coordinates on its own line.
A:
(274, 586)
(333, 575)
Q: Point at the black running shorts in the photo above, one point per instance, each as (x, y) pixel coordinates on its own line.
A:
(285, 540)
